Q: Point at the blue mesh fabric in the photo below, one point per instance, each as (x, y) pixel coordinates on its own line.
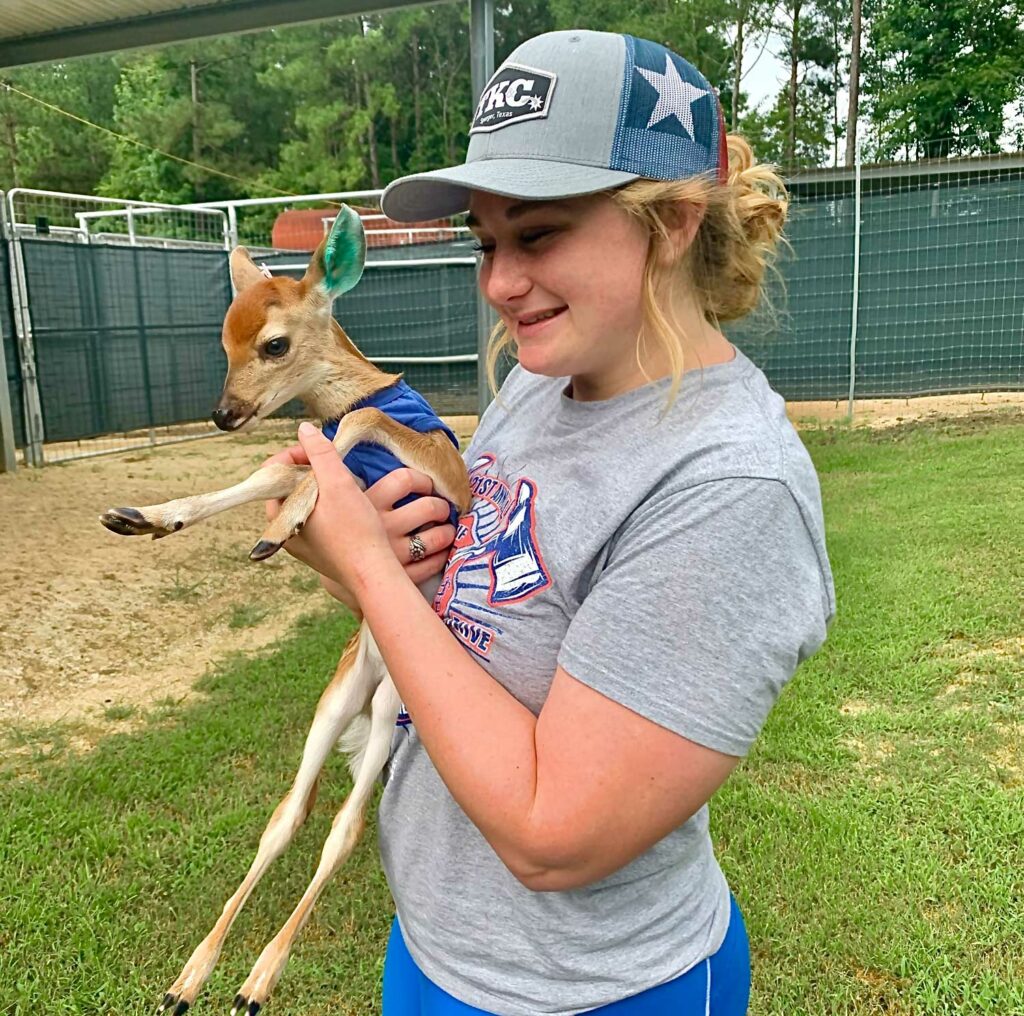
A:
(664, 149)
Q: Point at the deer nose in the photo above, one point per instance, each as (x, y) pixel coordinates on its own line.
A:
(221, 417)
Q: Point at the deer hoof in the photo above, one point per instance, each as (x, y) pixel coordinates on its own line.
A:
(242, 1005)
(169, 1000)
(263, 550)
(127, 522)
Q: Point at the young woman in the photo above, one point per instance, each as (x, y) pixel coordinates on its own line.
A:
(642, 569)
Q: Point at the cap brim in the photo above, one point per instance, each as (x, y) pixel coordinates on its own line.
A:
(444, 192)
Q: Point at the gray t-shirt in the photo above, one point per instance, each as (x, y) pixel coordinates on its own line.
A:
(673, 561)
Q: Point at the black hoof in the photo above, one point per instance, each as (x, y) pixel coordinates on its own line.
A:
(168, 1001)
(254, 1007)
(263, 550)
(238, 1005)
(181, 1009)
(126, 522)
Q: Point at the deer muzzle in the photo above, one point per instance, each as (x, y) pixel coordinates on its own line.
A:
(230, 414)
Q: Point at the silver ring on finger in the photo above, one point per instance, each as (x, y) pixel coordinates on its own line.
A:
(417, 548)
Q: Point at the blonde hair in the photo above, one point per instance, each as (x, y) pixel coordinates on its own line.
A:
(724, 266)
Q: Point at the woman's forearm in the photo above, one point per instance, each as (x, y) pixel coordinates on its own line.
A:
(479, 737)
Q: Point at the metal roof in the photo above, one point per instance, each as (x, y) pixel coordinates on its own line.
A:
(38, 31)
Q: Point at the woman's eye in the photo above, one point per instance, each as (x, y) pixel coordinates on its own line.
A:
(276, 347)
(525, 239)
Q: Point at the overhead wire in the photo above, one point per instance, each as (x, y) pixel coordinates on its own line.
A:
(142, 144)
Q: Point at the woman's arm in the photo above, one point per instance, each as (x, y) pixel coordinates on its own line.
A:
(564, 798)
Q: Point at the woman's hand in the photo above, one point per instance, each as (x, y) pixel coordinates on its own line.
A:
(314, 545)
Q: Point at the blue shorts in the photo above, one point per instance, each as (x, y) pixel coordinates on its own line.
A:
(717, 986)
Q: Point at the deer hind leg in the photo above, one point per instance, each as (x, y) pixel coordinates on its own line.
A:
(345, 698)
(273, 481)
(430, 453)
(345, 833)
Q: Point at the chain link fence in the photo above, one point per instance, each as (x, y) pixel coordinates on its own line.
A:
(899, 281)
(115, 311)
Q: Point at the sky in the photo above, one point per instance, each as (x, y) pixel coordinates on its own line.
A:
(764, 73)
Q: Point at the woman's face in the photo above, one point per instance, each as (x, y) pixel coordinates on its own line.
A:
(566, 278)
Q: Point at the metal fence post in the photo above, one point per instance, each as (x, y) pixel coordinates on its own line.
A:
(8, 457)
(856, 286)
(481, 32)
(31, 401)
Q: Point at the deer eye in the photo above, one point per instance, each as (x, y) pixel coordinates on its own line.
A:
(276, 347)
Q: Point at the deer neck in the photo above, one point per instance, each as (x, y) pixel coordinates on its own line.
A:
(346, 378)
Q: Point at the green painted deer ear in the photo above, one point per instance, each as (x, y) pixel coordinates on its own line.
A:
(337, 264)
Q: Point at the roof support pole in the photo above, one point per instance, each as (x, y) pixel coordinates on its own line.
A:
(481, 60)
(8, 460)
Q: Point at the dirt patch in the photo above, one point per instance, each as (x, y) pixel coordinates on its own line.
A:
(92, 623)
(889, 412)
(1008, 758)
(975, 665)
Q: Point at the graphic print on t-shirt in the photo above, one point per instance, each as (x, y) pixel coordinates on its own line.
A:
(495, 549)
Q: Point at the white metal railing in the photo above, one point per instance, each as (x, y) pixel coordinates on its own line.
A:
(131, 213)
(29, 213)
(24, 205)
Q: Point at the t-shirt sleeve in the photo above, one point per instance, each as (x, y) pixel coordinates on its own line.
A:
(707, 601)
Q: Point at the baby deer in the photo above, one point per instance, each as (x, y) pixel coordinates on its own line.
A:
(282, 342)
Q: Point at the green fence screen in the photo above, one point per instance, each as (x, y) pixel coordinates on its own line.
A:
(129, 337)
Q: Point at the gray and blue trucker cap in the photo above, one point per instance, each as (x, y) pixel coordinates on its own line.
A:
(572, 113)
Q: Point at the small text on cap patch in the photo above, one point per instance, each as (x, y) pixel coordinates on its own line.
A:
(514, 94)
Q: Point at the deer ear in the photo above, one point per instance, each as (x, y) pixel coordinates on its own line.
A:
(244, 272)
(337, 264)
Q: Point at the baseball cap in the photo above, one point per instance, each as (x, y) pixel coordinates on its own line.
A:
(576, 112)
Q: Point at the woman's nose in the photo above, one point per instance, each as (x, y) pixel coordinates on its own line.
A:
(503, 278)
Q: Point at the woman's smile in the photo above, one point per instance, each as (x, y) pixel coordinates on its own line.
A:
(527, 326)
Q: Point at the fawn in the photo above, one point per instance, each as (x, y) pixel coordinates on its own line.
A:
(282, 342)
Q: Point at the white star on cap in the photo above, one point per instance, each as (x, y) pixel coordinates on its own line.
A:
(675, 96)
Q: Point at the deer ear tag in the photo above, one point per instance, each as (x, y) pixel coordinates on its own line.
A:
(344, 253)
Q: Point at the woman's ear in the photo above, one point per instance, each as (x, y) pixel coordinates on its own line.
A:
(682, 219)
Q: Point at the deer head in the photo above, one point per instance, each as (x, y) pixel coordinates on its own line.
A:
(282, 341)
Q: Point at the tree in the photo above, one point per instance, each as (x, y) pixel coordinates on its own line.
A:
(750, 19)
(799, 129)
(202, 102)
(40, 147)
(854, 88)
(938, 74)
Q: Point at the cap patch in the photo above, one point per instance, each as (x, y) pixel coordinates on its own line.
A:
(514, 94)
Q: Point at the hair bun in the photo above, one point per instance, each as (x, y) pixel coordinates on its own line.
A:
(761, 199)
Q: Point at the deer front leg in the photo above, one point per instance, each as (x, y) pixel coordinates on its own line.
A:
(292, 517)
(345, 833)
(431, 453)
(274, 481)
(348, 695)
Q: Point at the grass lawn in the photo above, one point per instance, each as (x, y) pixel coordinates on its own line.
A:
(874, 837)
